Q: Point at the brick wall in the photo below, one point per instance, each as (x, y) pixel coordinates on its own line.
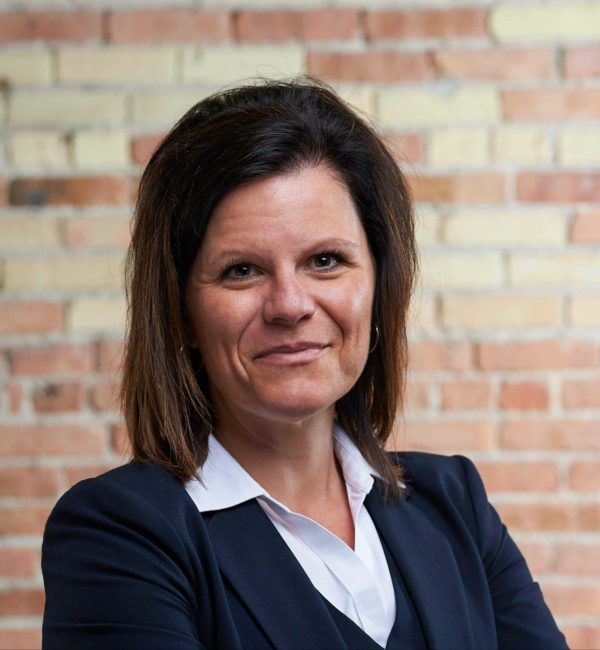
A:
(493, 109)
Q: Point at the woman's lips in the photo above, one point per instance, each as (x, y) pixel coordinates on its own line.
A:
(292, 354)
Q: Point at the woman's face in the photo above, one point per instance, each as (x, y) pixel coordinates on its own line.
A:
(280, 297)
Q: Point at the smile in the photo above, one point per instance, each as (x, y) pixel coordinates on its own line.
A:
(296, 354)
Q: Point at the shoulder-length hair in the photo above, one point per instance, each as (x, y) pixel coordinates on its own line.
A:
(228, 139)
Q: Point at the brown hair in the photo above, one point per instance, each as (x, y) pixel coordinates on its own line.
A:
(230, 138)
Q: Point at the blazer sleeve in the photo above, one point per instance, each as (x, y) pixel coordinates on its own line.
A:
(115, 574)
(523, 619)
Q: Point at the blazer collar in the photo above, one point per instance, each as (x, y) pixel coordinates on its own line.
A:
(426, 561)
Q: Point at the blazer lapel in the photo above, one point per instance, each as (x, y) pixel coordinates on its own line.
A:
(427, 563)
(264, 572)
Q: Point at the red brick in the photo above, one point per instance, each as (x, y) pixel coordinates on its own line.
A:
(104, 396)
(19, 562)
(536, 355)
(19, 639)
(571, 435)
(15, 394)
(495, 64)
(439, 355)
(586, 228)
(31, 317)
(538, 556)
(573, 600)
(585, 475)
(110, 356)
(92, 190)
(466, 395)
(417, 396)
(58, 398)
(468, 188)
(531, 517)
(582, 636)
(120, 439)
(588, 517)
(143, 146)
(29, 482)
(61, 358)
(557, 187)
(444, 436)
(579, 62)
(524, 395)
(551, 104)
(431, 23)
(577, 559)
(504, 476)
(278, 26)
(584, 393)
(51, 26)
(406, 147)
(21, 602)
(52, 440)
(178, 25)
(23, 520)
(76, 474)
(377, 67)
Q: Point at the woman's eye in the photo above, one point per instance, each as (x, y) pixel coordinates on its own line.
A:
(327, 261)
(239, 271)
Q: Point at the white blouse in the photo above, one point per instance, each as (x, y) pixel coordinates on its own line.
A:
(357, 582)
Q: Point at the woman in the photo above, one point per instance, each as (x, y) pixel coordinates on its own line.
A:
(271, 265)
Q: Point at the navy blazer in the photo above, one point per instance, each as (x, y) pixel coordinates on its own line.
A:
(129, 562)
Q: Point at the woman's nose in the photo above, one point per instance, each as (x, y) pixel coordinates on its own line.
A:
(288, 301)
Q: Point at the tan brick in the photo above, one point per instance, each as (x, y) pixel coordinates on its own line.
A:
(44, 149)
(581, 393)
(579, 147)
(513, 22)
(66, 107)
(117, 64)
(383, 66)
(462, 147)
(547, 434)
(463, 188)
(25, 67)
(163, 107)
(28, 233)
(97, 232)
(177, 25)
(466, 395)
(406, 147)
(360, 97)
(500, 311)
(51, 26)
(439, 355)
(426, 225)
(30, 317)
(82, 190)
(110, 355)
(578, 559)
(585, 475)
(97, 315)
(225, 64)
(104, 396)
(52, 440)
(504, 228)
(423, 107)
(585, 311)
(101, 149)
(567, 187)
(582, 636)
(573, 600)
(422, 315)
(496, 63)
(551, 103)
(428, 23)
(534, 517)
(586, 228)
(441, 271)
(569, 269)
(517, 144)
(65, 273)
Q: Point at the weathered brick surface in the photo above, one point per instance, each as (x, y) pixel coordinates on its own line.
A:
(490, 108)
